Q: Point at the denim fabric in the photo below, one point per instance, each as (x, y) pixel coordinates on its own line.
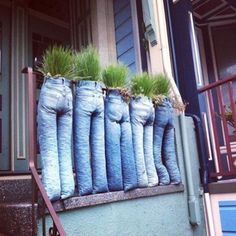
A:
(89, 136)
(164, 145)
(142, 118)
(54, 134)
(121, 168)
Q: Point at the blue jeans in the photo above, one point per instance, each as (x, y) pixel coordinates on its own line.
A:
(121, 168)
(142, 118)
(164, 145)
(54, 134)
(89, 136)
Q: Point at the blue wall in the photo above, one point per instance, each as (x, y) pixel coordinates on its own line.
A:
(124, 34)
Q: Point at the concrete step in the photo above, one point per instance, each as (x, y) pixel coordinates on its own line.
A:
(15, 189)
(16, 219)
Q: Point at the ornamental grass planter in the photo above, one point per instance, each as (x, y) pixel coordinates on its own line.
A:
(163, 135)
(55, 123)
(142, 119)
(89, 124)
(121, 168)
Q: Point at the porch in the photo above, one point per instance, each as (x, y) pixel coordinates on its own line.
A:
(116, 29)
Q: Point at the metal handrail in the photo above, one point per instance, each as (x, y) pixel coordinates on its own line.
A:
(217, 83)
(215, 100)
(36, 181)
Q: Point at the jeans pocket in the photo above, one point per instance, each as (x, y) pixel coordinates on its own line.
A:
(113, 111)
(48, 101)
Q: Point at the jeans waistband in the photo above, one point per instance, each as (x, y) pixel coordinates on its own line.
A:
(143, 99)
(58, 81)
(114, 94)
(91, 85)
(166, 102)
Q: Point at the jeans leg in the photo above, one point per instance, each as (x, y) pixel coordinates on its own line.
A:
(169, 155)
(162, 172)
(127, 157)
(82, 121)
(98, 153)
(113, 155)
(148, 153)
(137, 131)
(47, 134)
(64, 134)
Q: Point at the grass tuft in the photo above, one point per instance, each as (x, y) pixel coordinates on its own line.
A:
(114, 75)
(142, 84)
(87, 64)
(57, 60)
(161, 85)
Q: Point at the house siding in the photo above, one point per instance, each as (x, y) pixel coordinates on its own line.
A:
(124, 36)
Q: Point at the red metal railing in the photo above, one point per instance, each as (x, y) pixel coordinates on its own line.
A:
(37, 185)
(220, 118)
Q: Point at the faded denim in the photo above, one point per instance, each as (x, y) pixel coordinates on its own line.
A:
(142, 118)
(89, 136)
(54, 134)
(121, 168)
(164, 145)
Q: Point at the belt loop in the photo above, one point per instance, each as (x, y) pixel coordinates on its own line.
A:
(45, 79)
(63, 81)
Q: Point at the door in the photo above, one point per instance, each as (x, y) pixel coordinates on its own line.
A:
(41, 35)
(179, 27)
(4, 88)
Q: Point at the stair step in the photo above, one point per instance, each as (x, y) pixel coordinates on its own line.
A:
(15, 189)
(16, 219)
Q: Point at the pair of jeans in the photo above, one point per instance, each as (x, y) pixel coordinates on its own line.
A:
(121, 168)
(54, 135)
(89, 136)
(164, 145)
(142, 118)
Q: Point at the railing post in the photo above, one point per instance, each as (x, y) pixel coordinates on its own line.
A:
(225, 128)
(224, 152)
(213, 119)
(32, 142)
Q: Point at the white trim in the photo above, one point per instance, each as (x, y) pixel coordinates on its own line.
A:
(208, 215)
(202, 56)
(205, 125)
(215, 198)
(195, 51)
(136, 36)
(49, 19)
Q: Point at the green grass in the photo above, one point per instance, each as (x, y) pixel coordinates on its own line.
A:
(57, 60)
(161, 85)
(87, 64)
(142, 84)
(114, 76)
